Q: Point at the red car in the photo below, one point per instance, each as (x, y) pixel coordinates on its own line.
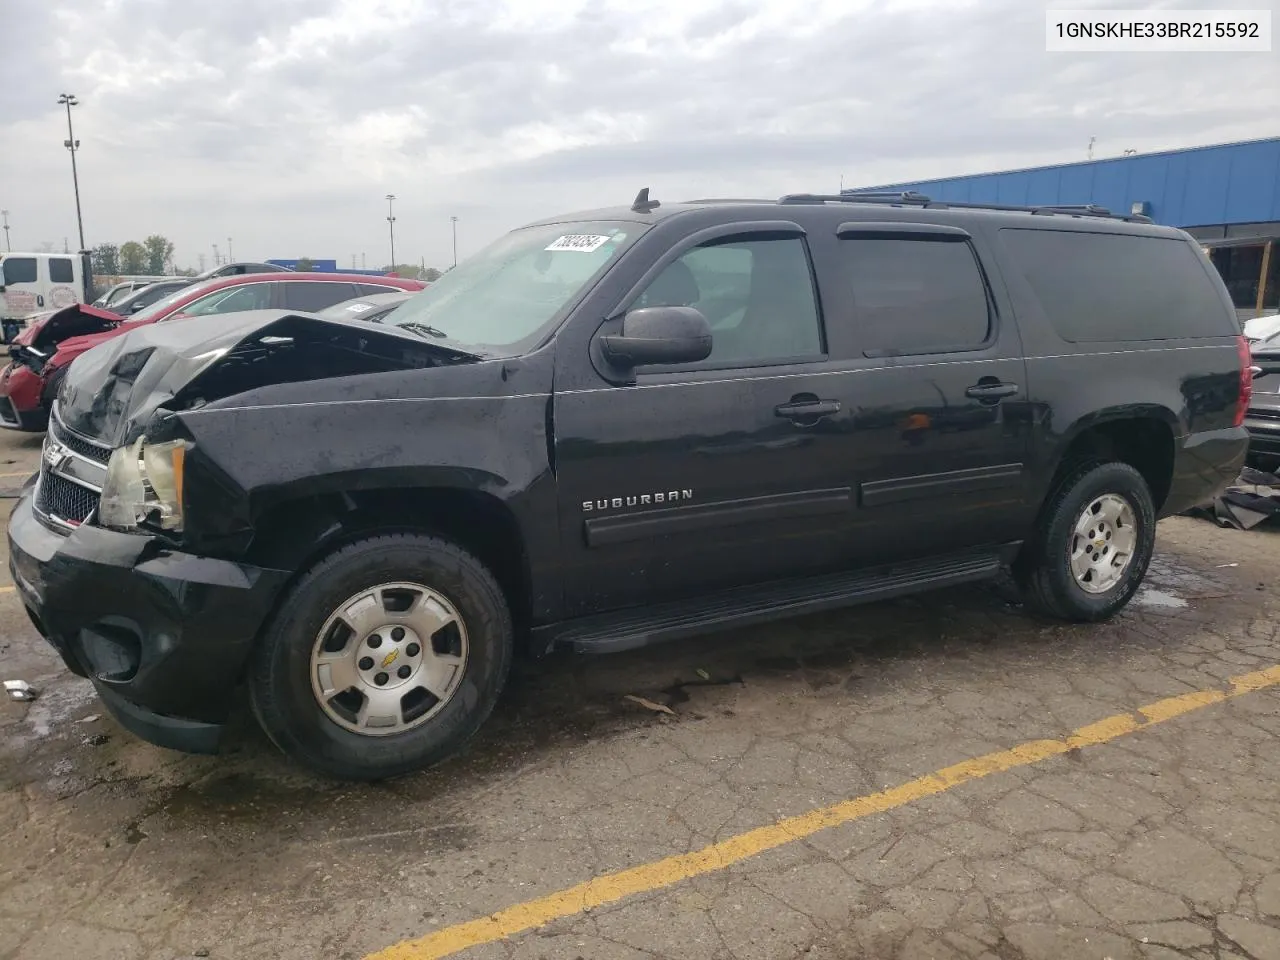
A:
(42, 352)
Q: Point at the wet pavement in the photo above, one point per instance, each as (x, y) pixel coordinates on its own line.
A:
(1161, 842)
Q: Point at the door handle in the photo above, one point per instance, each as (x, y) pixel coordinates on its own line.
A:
(991, 391)
(807, 408)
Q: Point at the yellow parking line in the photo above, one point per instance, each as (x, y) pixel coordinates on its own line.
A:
(24, 473)
(611, 887)
(8, 589)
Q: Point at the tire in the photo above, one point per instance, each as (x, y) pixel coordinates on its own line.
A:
(324, 733)
(1045, 573)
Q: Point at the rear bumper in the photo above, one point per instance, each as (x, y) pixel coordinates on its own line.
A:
(20, 407)
(164, 636)
(1204, 465)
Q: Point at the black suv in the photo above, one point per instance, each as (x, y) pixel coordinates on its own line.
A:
(615, 428)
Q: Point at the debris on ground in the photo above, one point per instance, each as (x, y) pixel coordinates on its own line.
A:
(91, 718)
(97, 740)
(20, 690)
(1253, 498)
(649, 704)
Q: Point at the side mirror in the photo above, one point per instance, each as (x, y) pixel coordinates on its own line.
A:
(653, 335)
(136, 306)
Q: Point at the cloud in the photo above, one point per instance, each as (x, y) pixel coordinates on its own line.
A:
(283, 124)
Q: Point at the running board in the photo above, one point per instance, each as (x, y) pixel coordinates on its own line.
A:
(741, 606)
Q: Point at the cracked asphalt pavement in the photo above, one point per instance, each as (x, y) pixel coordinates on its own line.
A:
(1161, 842)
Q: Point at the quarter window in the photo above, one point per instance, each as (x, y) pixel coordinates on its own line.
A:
(915, 295)
(757, 295)
(1104, 288)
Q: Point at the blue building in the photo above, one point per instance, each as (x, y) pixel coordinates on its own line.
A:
(1226, 196)
(327, 266)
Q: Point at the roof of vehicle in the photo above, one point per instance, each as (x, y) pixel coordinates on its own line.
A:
(260, 266)
(869, 206)
(217, 283)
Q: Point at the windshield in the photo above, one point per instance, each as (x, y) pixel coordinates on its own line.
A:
(502, 300)
(161, 306)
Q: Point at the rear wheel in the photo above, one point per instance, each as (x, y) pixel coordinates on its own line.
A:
(1094, 543)
(384, 658)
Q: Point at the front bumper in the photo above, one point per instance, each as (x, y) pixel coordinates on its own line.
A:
(163, 635)
(20, 408)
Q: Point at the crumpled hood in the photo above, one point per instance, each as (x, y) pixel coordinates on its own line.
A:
(112, 391)
(46, 329)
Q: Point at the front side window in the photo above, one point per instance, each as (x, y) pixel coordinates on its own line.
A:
(249, 296)
(19, 270)
(757, 295)
(915, 296)
(505, 299)
(168, 303)
(60, 271)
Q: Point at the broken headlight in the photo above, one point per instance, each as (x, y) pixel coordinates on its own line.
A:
(144, 486)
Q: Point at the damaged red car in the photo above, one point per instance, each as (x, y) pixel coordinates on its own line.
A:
(41, 353)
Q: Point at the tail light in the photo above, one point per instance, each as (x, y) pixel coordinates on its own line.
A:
(1246, 380)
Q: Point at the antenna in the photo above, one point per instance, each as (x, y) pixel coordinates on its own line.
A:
(643, 204)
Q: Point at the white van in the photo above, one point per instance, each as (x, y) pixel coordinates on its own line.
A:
(33, 283)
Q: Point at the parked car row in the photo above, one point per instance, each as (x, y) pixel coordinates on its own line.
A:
(41, 353)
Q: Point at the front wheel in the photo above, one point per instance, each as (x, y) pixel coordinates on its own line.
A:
(1093, 545)
(384, 658)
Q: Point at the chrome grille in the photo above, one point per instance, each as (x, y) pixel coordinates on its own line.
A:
(78, 444)
(60, 499)
(72, 471)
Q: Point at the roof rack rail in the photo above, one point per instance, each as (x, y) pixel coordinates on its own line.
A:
(902, 196)
(919, 199)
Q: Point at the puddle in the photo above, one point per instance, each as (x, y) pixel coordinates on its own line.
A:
(1159, 599)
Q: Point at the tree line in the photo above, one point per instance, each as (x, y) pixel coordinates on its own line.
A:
(153, 255)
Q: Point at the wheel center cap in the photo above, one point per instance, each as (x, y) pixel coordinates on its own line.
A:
(390, 658)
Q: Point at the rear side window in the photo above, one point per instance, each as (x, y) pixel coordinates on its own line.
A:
(19, 270)
(316, 294)
(60, 271)
(1103, 287)
(915, 295)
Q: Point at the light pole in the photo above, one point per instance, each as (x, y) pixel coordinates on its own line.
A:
(71, 143)
(230, 258)
(455, 240)
(7, 245)
(391, 226)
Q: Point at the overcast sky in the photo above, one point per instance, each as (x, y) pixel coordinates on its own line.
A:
(283, 123)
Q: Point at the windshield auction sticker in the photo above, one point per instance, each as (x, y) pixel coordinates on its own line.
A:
(581, 242)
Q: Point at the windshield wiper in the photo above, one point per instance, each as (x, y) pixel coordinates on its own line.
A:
(424, 329)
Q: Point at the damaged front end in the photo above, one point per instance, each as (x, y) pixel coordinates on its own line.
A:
(110, 546)
(117, 388)
(39, 340)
